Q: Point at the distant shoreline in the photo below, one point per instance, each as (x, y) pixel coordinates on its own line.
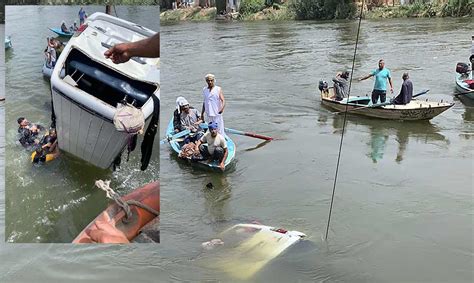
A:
(283, 14)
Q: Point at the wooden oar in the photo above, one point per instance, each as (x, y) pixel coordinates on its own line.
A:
(380, 104)
(248, 134)
(237, 132)
(176, 136)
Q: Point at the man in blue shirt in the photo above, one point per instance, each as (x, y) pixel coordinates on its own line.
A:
(381, 75)
(82, 16)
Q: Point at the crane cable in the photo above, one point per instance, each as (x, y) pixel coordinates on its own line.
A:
(344, 123)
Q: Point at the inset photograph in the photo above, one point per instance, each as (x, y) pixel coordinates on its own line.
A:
(82, 110)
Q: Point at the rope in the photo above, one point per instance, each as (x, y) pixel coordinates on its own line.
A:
(125, 205)
(344, 123)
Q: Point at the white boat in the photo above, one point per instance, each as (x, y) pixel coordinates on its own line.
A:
(86, 95)
(244, 249)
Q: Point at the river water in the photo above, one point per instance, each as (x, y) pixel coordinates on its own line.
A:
(403, 206)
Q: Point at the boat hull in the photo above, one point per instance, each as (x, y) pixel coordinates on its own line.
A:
(176, 147)
(463, 87)
(115, 215)
(415, 110)
(59, 32)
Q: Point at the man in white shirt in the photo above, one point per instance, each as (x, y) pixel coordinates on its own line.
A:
(214, 103)
(213, 146)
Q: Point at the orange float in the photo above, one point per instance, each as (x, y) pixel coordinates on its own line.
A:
(148, 195)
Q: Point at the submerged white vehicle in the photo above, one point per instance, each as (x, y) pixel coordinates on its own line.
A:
(87, 88)
(244, 249)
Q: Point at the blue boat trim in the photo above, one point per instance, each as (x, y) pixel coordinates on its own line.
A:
(214, 165)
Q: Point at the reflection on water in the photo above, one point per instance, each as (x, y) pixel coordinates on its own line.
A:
(381, 131)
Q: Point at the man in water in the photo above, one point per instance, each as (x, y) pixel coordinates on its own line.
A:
(381, 74)
(406, 92)
(341, 85)
(214, 103)
(213, 146)
(122, 52)
(28, 132)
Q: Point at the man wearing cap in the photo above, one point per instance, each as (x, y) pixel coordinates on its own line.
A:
(406, 92)
(214, 103)
(213, 146)
(341, 85)
(381, 75)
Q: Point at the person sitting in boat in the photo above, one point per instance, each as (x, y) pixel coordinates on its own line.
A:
(341, 85)
(190, 119)
(74, 27)
(28, 132)
(212, 145)
(64, 27)
(406, 92)
(177, 115)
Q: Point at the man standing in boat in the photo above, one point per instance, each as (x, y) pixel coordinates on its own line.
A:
(213, 146)
(381, 75)
(82, 16)
(214, 103)
(406, 92)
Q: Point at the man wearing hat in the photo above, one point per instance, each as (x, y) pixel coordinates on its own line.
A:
(213, 146)
(214, 103)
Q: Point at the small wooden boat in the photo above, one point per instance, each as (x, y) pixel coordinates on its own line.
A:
(8, 42)
(115, 215)
(362, 105)
(176, 145)
(59, 32)
(465, 85)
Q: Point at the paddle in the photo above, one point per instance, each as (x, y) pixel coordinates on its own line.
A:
(237, 132)
(176, 136)
(381, 104)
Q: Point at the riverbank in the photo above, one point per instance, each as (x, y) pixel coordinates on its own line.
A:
(283, 12)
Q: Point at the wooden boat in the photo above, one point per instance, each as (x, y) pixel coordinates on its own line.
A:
(115, 215)
(59, 32)
(361, 105)
(465, 85)
(176, 145)
(85, 97)
(8, 42)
